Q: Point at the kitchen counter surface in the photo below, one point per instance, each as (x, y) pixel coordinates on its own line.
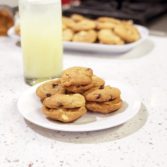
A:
(141, 142)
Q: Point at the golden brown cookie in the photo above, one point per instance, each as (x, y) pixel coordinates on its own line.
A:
(127, 22)
(109, 19)
(76, 76)
(49, 88)
(64, 26)
(64, 115)
(96, 83)
(127, 32)
(84, 25)
(68, 34)
(85, 36)
(77, 17)
(64, 101)
(68, 22)
(107, 93)
(105, 25)
(107, 36)
(78, 88)
(104, 107)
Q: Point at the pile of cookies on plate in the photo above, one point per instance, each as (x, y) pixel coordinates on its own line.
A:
(105, 30)
(77, 91)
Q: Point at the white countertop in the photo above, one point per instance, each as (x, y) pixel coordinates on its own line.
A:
(141, 142)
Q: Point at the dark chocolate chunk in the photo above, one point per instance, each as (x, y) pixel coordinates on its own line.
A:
(66, 91)
(111, 99)
(98, 96)
(60, 105)
(101, 87)
(54, 85)
(48, 95)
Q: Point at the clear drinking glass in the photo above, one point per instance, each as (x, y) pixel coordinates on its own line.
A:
(41, 39)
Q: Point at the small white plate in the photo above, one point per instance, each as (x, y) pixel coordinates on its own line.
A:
(29, 106)
(95, 47)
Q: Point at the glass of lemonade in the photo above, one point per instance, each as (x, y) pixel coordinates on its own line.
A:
(41, 39)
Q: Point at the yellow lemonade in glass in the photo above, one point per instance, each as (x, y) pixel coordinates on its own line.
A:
(41, 39)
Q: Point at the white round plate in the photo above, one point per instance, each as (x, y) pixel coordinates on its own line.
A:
(29, 106)
(95, 47)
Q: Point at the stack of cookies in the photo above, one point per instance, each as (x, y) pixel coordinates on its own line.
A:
(57, 105)
(64, 108)
(68, 98)
(103, 100)
(79, 80)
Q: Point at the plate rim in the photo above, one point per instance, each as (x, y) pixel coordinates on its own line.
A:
(137, 107)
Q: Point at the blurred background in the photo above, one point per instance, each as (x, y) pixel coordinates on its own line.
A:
(150, 13)
(141, 11)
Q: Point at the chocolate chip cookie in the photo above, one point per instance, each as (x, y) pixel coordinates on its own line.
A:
(104, 107)
(78, 76)
(84, 25)
(89, 36)
(77, 17)
(107, 93)
(65, 101)
(49, 88)
(108, 20)
(64, 115)
(78, 88)
(97, 82)
(68, 22)
(67, 34)
(107, 36)
(127, 32)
